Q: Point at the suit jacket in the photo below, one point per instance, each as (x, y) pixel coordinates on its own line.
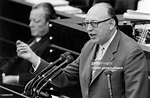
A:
(128, 80)
(22, 67)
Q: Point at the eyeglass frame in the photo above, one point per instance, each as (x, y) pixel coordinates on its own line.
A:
(86, 23)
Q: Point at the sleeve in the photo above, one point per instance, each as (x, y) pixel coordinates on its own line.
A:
(26, 77)
(41, 66)
(68, 75)
(35, 67)
(136, 75)
(8, 66)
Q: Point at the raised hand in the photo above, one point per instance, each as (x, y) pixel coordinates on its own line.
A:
(25, 52)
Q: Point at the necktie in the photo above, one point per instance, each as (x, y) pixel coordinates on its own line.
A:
(97, 60)
(32, 43)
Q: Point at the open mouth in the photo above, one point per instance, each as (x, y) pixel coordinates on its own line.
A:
(92, 36)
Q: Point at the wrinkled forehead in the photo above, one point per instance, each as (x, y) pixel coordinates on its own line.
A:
(37, 13)
(97, 13)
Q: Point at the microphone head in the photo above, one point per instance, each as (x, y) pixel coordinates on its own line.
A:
(63, 56)
(69, 59)
(66, 54)
(108, 72)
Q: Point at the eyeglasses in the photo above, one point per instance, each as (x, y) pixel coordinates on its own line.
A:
(93, 23)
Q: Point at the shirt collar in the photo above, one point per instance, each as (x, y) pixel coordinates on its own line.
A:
(37, 39)
(105, 46)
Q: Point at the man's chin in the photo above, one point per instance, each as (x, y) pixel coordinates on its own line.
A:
(34, 35)
(94, 40)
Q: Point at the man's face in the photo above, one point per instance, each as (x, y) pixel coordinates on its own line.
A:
(38, 23)
(101, 33)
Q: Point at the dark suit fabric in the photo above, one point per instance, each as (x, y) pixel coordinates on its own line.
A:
(22, 67)
(120, 6)
(123, 52)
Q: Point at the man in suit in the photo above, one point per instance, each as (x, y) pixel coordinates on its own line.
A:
(109, 51)
(19, 70)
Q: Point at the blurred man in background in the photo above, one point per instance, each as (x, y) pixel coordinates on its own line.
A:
(19, 70)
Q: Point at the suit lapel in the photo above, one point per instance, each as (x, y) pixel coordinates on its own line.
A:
(89, 63)
(108, 56)
(35, 46)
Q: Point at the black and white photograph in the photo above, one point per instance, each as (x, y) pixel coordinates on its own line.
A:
(74, 49)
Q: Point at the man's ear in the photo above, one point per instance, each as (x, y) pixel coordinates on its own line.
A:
(112, 23)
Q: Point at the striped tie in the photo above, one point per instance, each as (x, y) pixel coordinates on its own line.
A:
(97, 60)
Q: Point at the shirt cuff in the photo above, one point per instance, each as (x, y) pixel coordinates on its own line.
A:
(36, 66)
(17, 78)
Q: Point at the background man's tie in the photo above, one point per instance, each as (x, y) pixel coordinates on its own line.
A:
(32, 43)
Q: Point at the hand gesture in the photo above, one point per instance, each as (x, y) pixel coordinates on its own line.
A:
(25, 52)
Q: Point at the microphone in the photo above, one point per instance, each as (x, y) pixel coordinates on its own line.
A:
(49, 68)
(108, 74)
(38, 76)
(53, 74)
(61, 58)
(43, 94)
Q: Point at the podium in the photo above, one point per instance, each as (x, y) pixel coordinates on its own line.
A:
(15, 91)
(11, 91)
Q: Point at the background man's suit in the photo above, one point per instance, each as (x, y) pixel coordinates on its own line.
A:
(23, 67)
(123, 52)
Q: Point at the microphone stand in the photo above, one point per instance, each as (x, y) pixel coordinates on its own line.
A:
(108, 74)
(38, 81)
(28, 87)
(39, 92)
(42, 79)
(31, 83)
(52, 74)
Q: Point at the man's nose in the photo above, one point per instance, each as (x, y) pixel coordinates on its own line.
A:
(89, 27)
(31, 24)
